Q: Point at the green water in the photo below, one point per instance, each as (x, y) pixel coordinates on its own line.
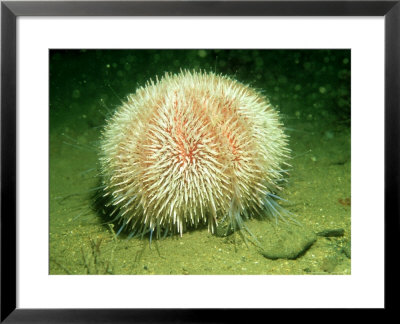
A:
(310, 88)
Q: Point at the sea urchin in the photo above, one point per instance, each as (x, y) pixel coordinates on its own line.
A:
(192, 148)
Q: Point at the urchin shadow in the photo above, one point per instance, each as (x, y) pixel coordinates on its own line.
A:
(110, 220)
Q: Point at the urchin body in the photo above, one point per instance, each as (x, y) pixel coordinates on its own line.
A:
(189, 149)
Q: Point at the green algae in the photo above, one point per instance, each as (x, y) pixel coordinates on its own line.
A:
(312, 91)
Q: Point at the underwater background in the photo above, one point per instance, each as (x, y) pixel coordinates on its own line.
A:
(310, 89)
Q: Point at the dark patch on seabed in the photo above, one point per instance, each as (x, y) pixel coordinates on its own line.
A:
(310, 88)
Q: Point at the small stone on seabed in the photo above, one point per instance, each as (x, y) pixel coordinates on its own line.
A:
(329, 134)
(286, 241)
(337, 232)
(76, 94)
(202, 53)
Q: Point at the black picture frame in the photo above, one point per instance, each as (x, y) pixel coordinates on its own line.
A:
(10, 10)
